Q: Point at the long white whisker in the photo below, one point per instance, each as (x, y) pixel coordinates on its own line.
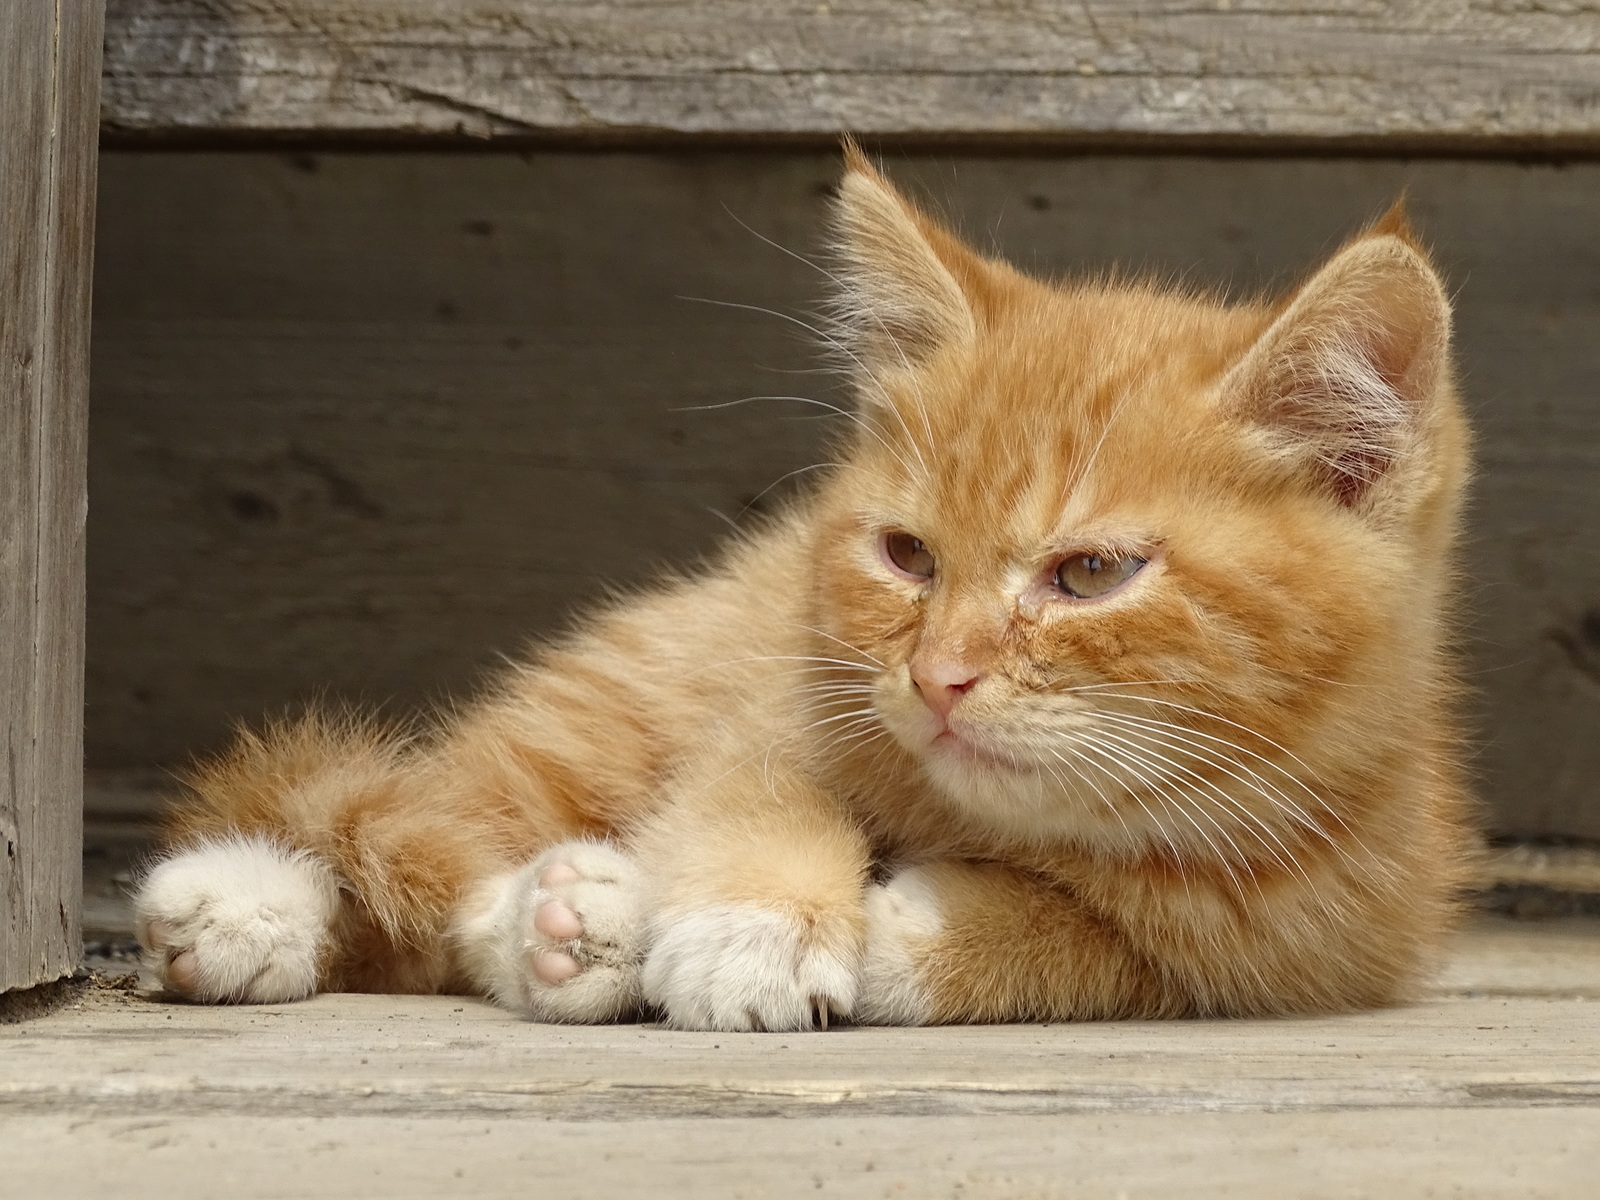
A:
(1096, 788)
(1079, 477)
(1257, 783)
(828, 701)
(850, 716)
(1097, 687)
(836, 687)
(1210, 716)
(837, 410)
(1215, 751)
(916, 393)
(838, 345)
(782, 249)
(1177, 732)
(1170, 801)
(1155, 822)
(1317, 800)
(807, 658)
(756, 499)
(821, 334)
(1290, 863)
(847, 645)
(864, 736)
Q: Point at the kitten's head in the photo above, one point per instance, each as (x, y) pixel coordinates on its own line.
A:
(1129, 562)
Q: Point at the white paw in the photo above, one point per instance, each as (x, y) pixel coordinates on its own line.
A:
(560, 939)
(903, 920)
(741, 967)
(239, 919)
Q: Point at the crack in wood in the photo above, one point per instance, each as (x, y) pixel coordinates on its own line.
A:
(1443, 67)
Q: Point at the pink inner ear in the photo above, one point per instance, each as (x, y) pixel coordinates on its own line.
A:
(1349, 411)
(1344, 376)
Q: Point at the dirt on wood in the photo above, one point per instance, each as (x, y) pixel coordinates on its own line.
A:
(77, 989)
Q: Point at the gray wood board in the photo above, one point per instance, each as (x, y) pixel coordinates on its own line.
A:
(1487, 1088)
(1467, 1154)
(49, 60)
(1455, 70)
(445, 1056)
(364, 422)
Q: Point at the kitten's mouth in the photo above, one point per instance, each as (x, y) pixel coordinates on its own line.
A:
(967, 751)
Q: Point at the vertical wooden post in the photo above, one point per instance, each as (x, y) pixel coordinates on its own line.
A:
(49, 116)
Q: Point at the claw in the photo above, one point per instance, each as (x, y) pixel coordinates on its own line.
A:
(822, 1013)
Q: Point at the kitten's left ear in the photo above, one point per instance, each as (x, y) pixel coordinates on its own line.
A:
(901, 274)
(1345, 384)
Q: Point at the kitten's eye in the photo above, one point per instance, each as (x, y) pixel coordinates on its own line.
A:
(1087, 576)
(907, 555)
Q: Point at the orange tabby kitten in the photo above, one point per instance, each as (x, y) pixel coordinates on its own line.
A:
(1104, 677)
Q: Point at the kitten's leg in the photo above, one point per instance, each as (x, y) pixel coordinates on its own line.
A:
(756, 919)
(957, 941)
(963, 942)
(237, 919)
(561, 938)
(325, 855)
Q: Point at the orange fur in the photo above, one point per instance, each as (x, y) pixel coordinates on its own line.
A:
(1231, 786)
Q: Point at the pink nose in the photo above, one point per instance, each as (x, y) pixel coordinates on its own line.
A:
(942, 683)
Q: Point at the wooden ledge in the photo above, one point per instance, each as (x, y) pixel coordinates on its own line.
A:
(1452, 74)
(1486, 1088)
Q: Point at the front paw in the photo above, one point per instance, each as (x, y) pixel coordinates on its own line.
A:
(237, 919)
(903, 924)
(560, 940)
(743, 968)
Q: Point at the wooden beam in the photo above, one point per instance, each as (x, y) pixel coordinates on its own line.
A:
(1487, 1088)
(1440, 72)
(50, 65)
(1524, 1044)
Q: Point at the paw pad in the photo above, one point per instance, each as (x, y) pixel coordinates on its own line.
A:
(239, 919)
(569, 928)
(555, 918)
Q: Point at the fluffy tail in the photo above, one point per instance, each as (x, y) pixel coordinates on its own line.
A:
(368, 802)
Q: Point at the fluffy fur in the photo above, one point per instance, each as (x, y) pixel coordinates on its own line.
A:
(238, 919)
(809, 783)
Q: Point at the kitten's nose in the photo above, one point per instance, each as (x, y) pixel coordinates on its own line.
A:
(942, 682)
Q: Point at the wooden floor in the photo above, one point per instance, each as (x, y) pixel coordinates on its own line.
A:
(1491, 1087)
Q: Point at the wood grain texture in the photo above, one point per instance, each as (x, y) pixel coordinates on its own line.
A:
(1457, 71)
(1487, 1088)
(49, 61)
(1525, 1154)
(363, 422)
(443, 1056)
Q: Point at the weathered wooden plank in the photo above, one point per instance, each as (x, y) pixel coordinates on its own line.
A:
(1498, 957)
(49, 62)
(1472, 1154)
(1486, 1092)
(364, 421)
(1426, 71)
(450, 1057)
(1571, 869)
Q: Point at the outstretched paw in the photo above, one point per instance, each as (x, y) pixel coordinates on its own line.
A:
(560, 939)
(745, 968)
(237, 920)
(903, 924)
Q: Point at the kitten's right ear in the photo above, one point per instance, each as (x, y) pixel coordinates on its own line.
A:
(901, 300)
(1345, 383)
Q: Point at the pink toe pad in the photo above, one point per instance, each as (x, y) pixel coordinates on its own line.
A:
(556, 874)
(553, 967)
(183, 970)
(555, 920)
